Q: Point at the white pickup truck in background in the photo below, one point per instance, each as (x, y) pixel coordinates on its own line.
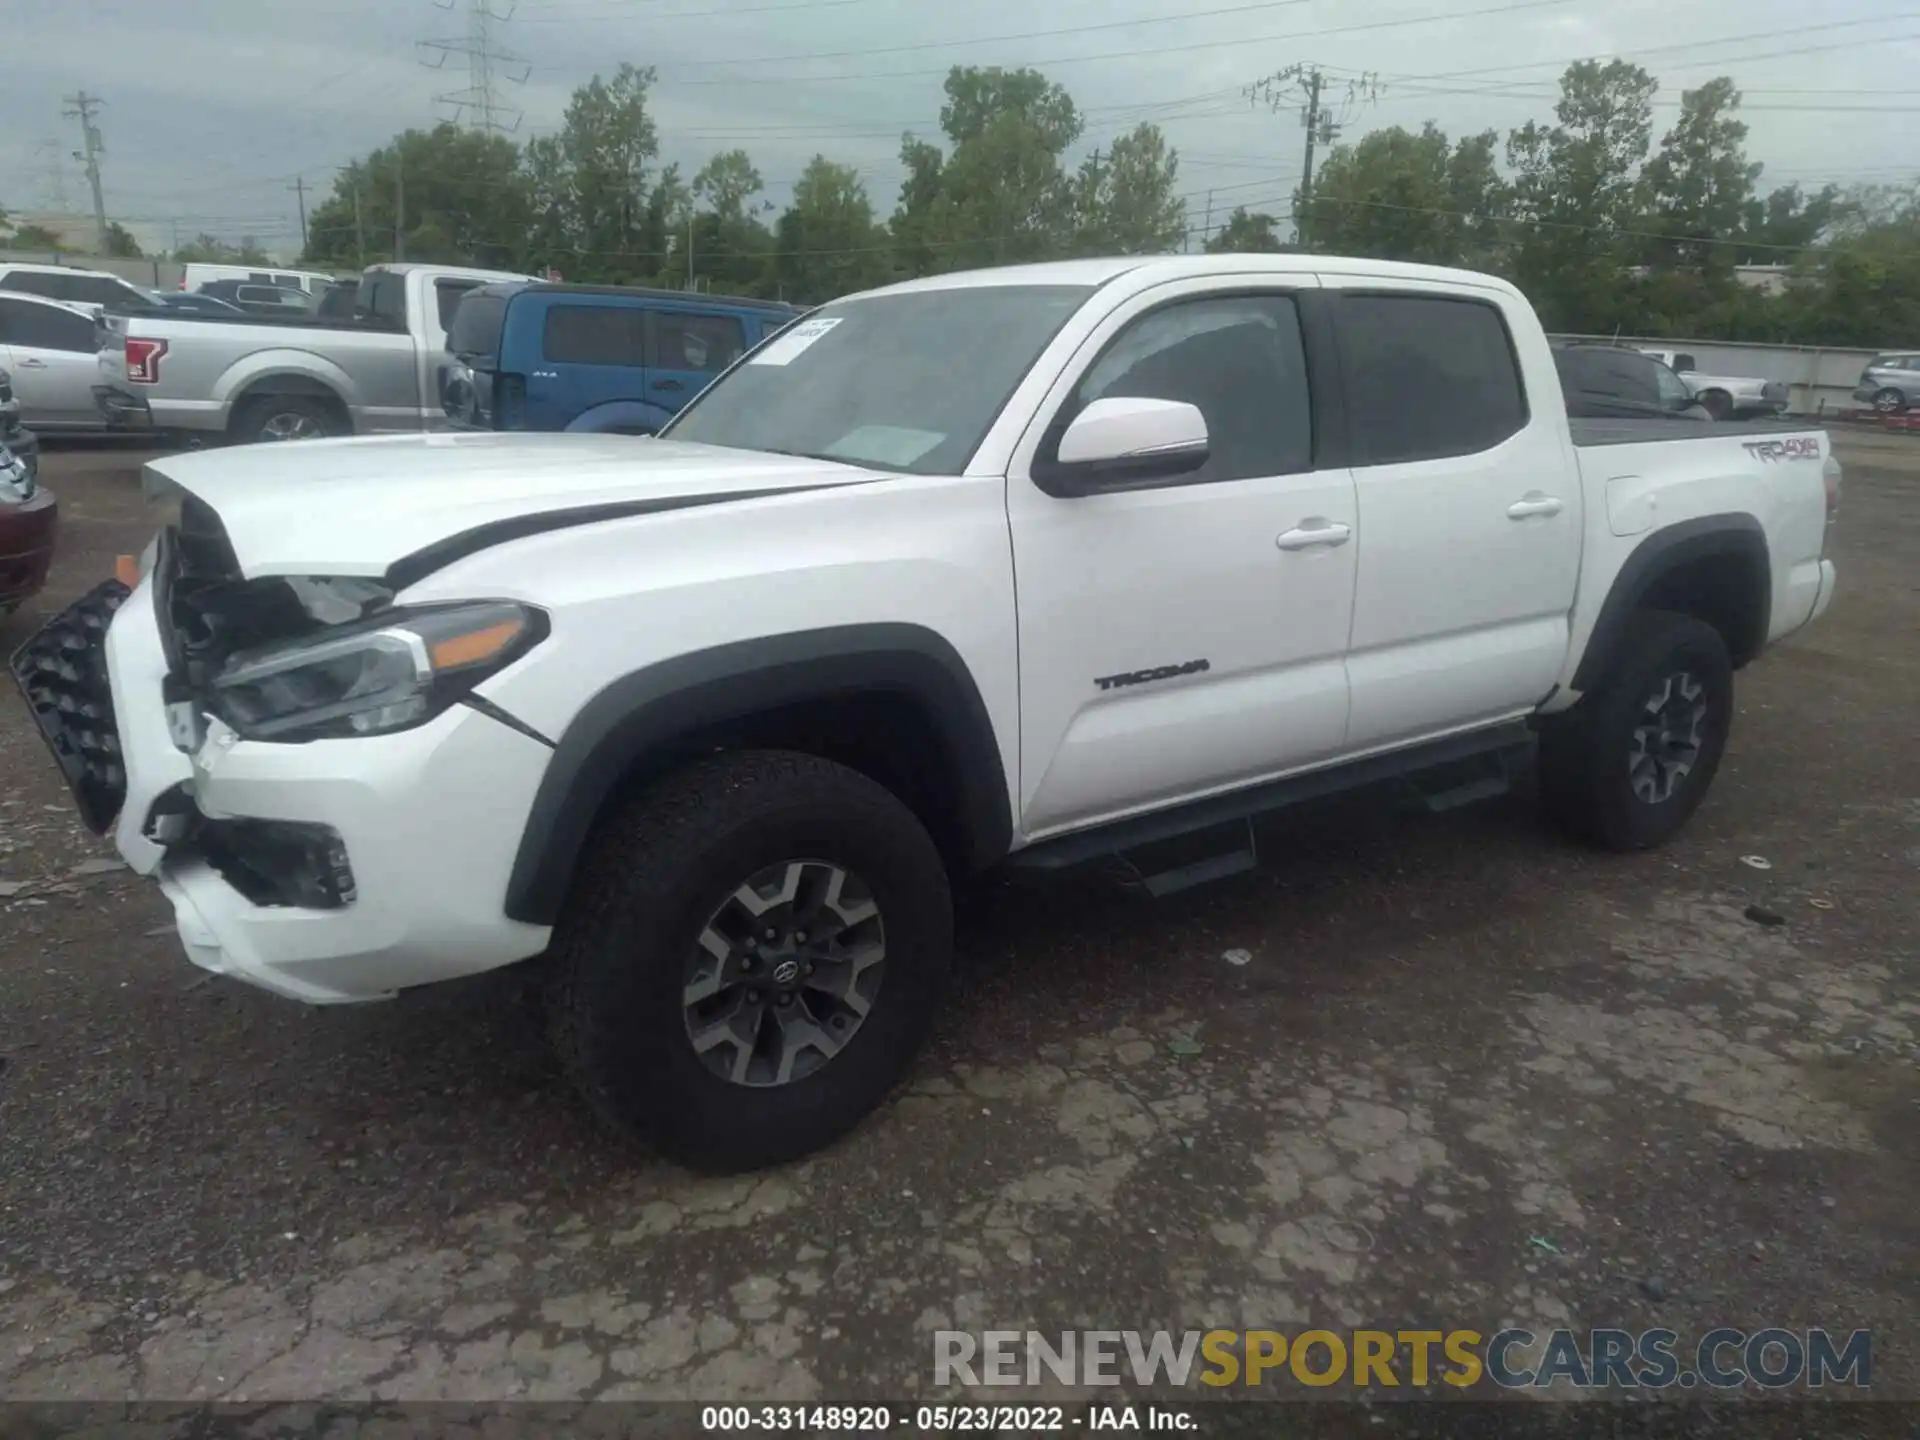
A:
(244, 379)
(1725, 397)
(715, 722)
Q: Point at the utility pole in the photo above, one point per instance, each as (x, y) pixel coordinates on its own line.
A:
(479, 106)
(359, 230)
(399, 204)
(1206, 230)
(691, 216)
(299, 187)
(1305, 85)
(83, 107)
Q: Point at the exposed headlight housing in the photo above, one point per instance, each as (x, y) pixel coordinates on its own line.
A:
(17, 485)
(391, 673)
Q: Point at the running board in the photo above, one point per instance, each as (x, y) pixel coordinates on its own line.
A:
(1502, 745)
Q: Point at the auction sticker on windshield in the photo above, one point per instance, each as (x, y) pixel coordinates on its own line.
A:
(790, 346)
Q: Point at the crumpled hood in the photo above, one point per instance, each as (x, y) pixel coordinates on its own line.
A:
(356, 507)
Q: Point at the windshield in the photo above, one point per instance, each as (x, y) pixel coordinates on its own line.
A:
(908, 381)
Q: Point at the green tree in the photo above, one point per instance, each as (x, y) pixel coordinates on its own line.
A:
(34, 237)
(1397, 195)
(1126, 198)
(121, 244)
(1246, 232)
(1577, 188)
(466, 200)
(1700, 182)
(607, 141)
(920, 198)
(732, 246)
(827, 242)
(1775, 230)
(1001, 194)
(208, 250)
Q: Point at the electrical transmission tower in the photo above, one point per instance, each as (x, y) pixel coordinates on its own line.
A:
(50, 159)
(479, 106)
(90, 152)
(1307, 87)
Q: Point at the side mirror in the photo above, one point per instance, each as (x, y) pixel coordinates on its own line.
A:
(1125, 440)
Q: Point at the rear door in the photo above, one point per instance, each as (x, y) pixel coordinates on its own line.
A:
(593, 352)
(687, 349)
(50, 351)
(1470, 512)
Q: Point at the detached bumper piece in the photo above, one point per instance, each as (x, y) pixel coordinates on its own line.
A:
(122, 410)
(278, 862)
(62, 672)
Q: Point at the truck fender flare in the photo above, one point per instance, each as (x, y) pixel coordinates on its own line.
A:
(619, 415)
(654, 706)
(267, 366)
(1663, 552)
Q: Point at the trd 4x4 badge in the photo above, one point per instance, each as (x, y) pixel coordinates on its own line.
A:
(1143, 677)
(1796, 449)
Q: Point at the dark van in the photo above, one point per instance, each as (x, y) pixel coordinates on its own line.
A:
(606, 359)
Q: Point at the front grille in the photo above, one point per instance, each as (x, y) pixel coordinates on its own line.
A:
(62, 672)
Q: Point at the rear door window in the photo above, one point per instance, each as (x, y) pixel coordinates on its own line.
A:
(383, 295)
(704, 343)
(595, 335)
(1435, 376)
(34, 282)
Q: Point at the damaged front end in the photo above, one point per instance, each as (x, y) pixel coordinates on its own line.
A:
(291, 660)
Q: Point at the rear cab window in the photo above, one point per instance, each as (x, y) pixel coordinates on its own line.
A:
(1437, 376)
(383, 299)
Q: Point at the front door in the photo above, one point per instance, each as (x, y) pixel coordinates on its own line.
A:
(51, 351)
(1187, 636)
(689, 349)
(1470, 505)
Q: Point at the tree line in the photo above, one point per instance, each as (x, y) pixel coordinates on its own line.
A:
(1603, 229)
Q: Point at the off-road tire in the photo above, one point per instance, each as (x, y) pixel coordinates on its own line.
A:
(1586, 754)
(646, 887)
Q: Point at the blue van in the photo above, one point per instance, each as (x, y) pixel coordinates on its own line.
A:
(606, 359)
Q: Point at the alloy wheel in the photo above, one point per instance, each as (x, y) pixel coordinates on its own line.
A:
(1668, 737)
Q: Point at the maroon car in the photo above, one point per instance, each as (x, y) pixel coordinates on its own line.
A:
(28, 520)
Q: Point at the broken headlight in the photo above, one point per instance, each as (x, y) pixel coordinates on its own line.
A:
(377, 678)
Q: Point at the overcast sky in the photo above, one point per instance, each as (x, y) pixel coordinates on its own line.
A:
(213, 107)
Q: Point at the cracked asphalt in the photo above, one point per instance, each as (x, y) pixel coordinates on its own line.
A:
(1468, 1075)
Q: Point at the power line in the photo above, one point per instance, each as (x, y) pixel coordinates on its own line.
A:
(1241, 42)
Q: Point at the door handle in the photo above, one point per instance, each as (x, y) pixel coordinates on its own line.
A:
(1533, 503)
(32, 362)
(669, 385)
(1309, 533)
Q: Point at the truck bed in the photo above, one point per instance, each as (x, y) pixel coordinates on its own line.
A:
(1588, 433)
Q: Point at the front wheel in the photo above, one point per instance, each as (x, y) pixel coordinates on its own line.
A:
(1628, 765)
(752, 954)
(1717, 403)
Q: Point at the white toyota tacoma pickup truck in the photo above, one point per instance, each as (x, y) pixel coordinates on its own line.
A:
(1026, 566)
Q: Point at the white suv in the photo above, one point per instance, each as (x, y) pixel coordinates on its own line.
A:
(1028, 566)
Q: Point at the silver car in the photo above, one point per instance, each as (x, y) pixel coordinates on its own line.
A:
(1890, 383)
(49, 346)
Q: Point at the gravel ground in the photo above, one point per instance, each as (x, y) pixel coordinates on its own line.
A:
(1468, 1075)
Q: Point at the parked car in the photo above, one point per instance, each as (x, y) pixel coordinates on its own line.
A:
(276, 300)
(15, 438)
(29, 521)
(1601, 382)
(253, 378)
(187, 302)
(584, 357)
(715, 722)
(1726, 397)
(49, 346)
(80, 287)
(1890, 383)
(196, 276)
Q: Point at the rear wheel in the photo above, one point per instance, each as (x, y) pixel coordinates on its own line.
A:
(284, 417)
(1889, 401)
(1717, 403)
(751, 956)
(1629, 764)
